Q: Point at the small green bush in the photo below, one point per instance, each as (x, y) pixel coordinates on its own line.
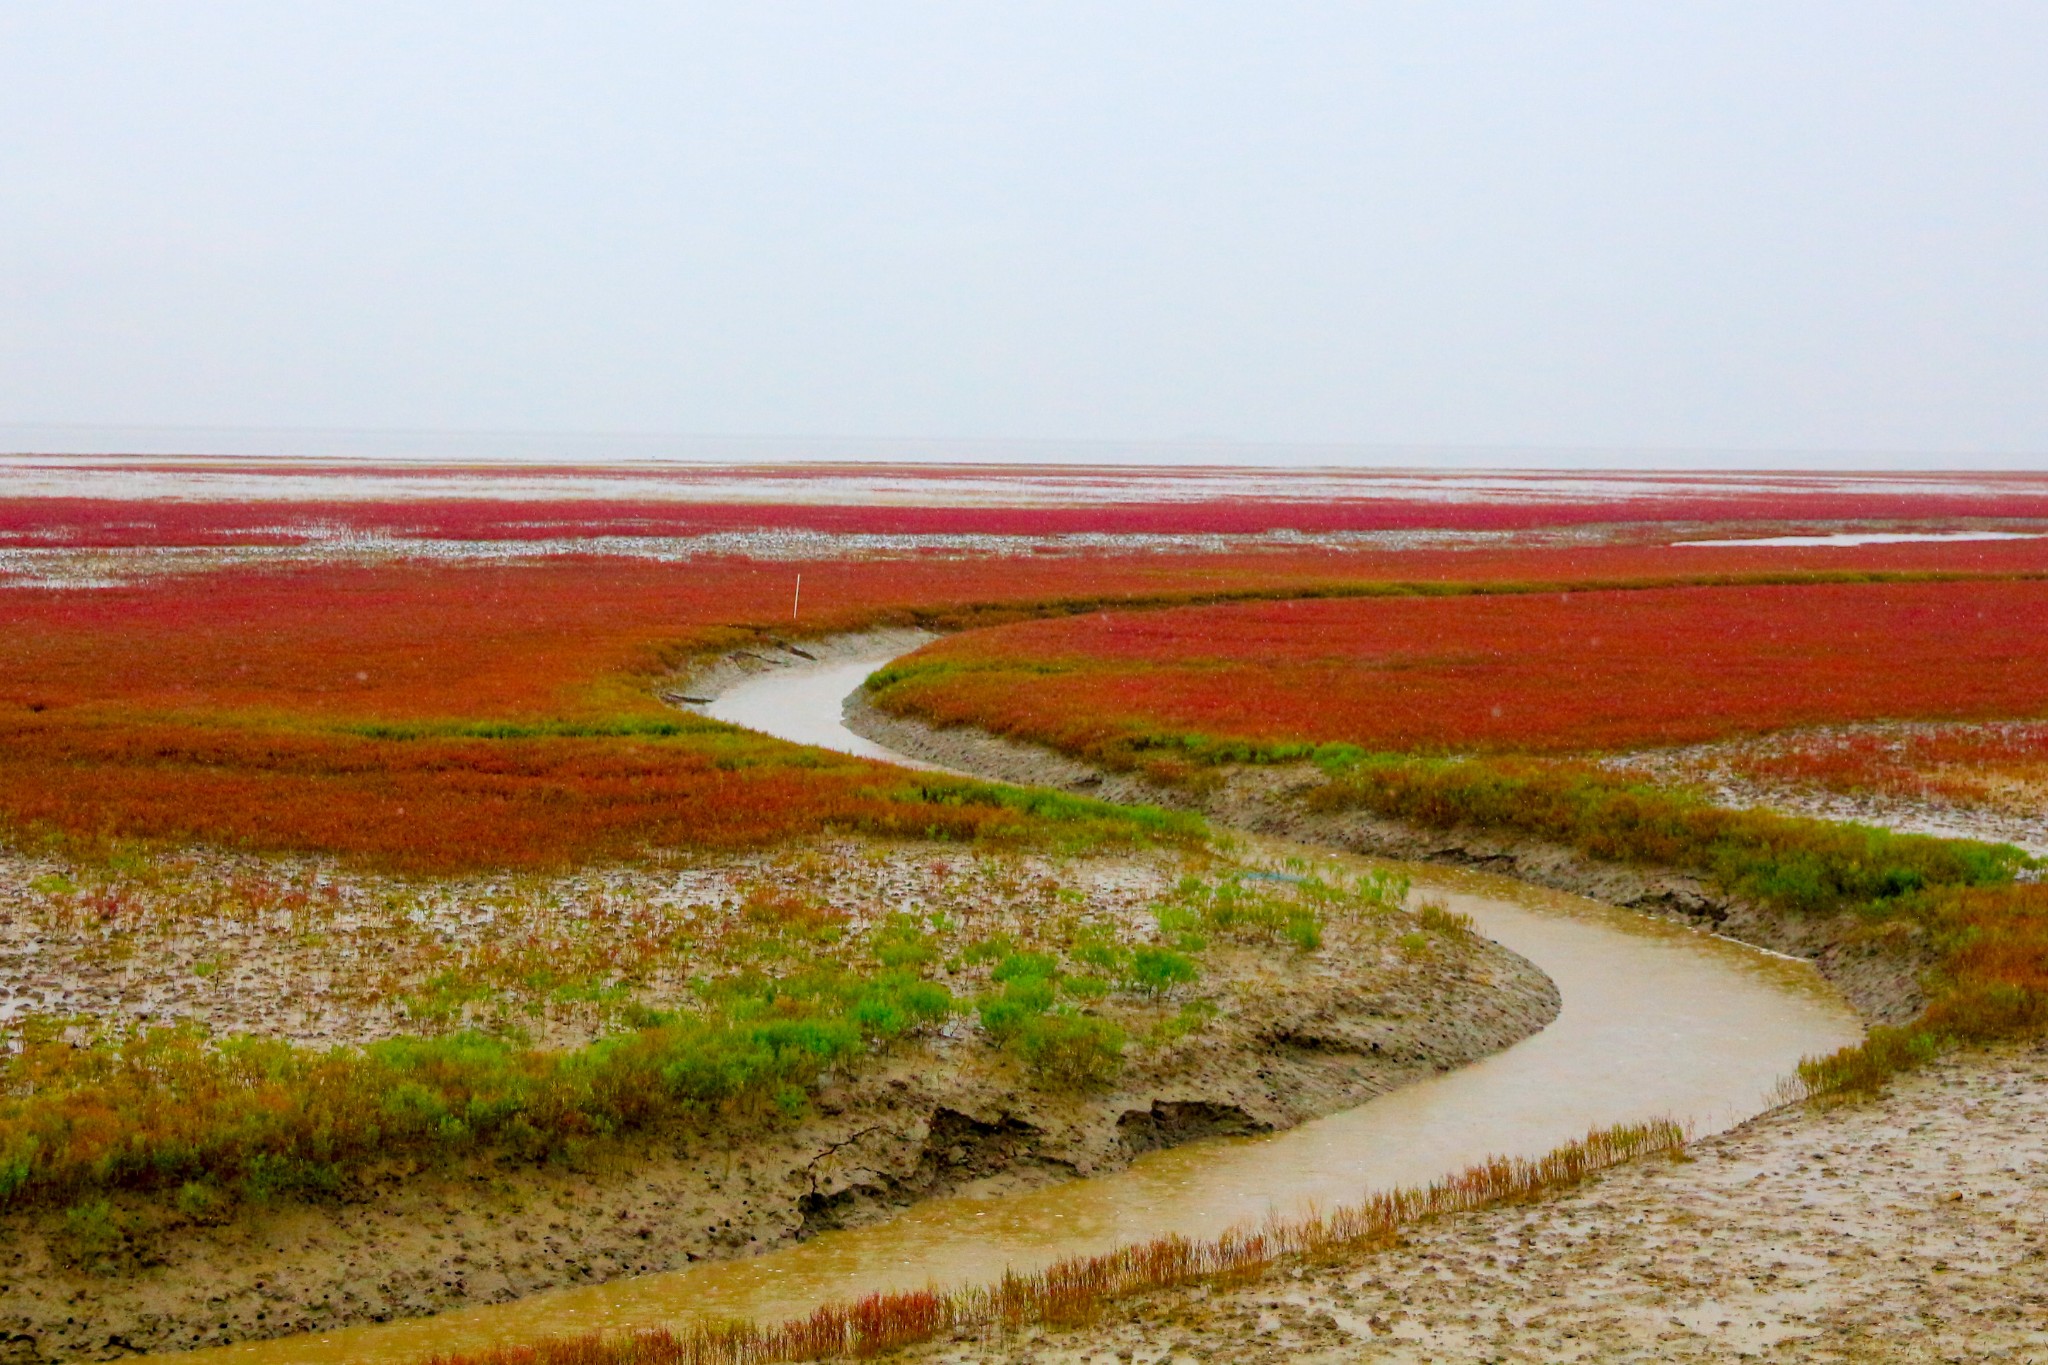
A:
(1067, 1051)
(901, 943)
(1026, 967)
(1085, 987)
(1191, 1018)
(202, 1201)
(1304, 931)
(1102, 955)
(1155, 971)
(992, 949)
(1006, 1014)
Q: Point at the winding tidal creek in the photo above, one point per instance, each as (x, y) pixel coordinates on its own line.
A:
(1658, 1021)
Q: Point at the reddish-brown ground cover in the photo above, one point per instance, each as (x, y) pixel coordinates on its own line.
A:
(2001, 766)
(1533, 673)
(439, 715)
(553, 637)
(444, 803)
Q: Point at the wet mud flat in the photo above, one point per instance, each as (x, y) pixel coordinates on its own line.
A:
(2005, 801)
(1908, 1228)
(1294, 1037)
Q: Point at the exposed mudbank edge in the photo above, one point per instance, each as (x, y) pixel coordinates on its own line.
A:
(1882, 984)
(942, 1117)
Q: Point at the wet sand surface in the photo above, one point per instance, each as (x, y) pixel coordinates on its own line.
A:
(1910, 1228)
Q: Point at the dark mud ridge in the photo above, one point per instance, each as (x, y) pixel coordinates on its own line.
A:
(1297, 1039)
(1881, 982)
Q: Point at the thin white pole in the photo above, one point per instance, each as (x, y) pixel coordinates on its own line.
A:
(799, 599)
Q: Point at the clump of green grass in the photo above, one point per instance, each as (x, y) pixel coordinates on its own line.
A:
(1445, 923)
(1192, 1017)
(1255, 913)
(1155, 971)
(1067, 1050)
(93, 1237)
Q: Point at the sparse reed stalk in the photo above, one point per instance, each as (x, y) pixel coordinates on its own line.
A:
(1074, 1290)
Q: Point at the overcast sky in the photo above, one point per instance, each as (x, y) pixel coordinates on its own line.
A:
(1737, 227)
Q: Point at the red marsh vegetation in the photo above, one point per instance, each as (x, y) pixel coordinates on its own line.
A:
(2003, 766)
(432, 716)
(1535, 673)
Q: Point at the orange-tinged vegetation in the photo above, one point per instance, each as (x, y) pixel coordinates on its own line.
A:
(2000, 766)
(435, 716)
(446, 802)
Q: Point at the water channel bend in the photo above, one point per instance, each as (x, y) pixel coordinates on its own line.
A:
(1658, 1020)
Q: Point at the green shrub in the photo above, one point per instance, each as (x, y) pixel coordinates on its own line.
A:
(202, 1201)
(1304, 931)
(901, 943)
(1007, 1013)
(1191, 1018)
(1085, 987)
(1067, 1051)
(1156, 971)
(1102, 955)
(992, 949)
(1026, 967)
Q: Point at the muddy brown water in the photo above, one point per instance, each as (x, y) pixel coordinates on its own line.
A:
(1658, 1020)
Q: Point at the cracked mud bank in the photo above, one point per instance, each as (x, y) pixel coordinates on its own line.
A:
(1292, 1036)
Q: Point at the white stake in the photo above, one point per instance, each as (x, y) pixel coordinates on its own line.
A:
(799, 598)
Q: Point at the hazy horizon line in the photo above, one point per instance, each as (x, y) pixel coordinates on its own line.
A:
(428, 445)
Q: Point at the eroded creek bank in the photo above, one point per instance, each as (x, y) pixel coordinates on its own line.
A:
(930, 1123)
